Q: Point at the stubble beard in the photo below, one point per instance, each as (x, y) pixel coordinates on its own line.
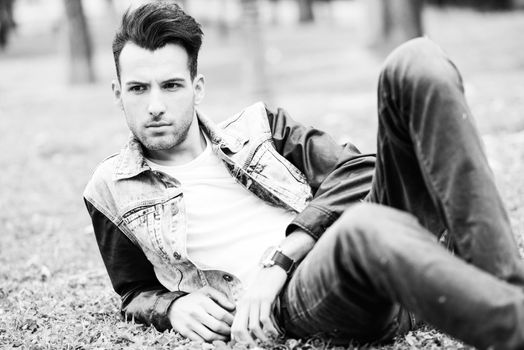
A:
(164, 143)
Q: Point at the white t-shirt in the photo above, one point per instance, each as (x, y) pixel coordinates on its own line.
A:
(228, 227)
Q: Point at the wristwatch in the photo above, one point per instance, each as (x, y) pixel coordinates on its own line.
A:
(274, 256)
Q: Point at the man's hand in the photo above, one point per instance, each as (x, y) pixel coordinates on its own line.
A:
(204, 315)
(254, 308)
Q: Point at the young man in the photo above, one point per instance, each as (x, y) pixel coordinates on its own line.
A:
(261, 225)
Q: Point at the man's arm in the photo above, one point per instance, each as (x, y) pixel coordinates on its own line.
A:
(253, 317)
(339, 175)
(144, 299)
(204, 315)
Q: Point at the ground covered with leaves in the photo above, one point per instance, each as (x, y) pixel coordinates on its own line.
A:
(54, 291)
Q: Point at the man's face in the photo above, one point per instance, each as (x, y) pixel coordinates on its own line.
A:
(157, 94)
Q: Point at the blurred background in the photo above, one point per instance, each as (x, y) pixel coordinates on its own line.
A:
(319, 59)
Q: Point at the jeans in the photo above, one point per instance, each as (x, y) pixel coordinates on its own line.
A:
(380, 266)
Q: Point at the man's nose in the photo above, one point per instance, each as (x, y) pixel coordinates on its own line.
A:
(156, 106)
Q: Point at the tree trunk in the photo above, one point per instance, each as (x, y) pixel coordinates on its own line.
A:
(111, 12)
(223, 25)
(405, 20)
(394, 22)
(80, 49)
(274, 12)
(485, 5)
(305, 11)
(7, 22)
(255, 76)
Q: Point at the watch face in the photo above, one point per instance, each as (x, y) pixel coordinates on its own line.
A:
(268, 257)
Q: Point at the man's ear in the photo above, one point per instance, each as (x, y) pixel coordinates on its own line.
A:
(199, 88)
(117, 92)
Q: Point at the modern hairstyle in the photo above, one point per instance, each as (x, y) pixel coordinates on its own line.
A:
(153, 25)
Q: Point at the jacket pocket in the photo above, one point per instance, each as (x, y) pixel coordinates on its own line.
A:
(279, 176)
(151, 225)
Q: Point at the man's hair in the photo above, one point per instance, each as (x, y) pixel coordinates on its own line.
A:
(153, 25)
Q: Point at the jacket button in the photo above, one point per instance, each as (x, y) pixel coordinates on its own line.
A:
(228, 278)
(176, 255)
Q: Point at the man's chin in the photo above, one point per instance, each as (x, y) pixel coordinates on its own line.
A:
(160, 145)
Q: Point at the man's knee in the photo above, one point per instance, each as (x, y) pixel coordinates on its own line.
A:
(414, 55)
(419, 64)
(414, 50)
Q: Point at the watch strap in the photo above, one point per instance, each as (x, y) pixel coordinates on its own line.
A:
(284, 261)
(274, 256)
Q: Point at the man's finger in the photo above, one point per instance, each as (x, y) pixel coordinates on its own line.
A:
(254, 322)
(191, 335)
(220, 298)
(265, 319)
(214, 324)
(219, 313)
(239, 330)
(206, 334)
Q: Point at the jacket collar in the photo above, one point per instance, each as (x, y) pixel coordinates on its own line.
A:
(132, 161)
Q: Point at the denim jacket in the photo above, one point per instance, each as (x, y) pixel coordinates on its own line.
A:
(139, 219)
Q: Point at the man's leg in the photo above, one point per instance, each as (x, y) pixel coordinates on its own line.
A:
(430, 159)
(430, 162)
(374, 258)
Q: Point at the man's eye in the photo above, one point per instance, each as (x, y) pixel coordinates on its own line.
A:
(172, 86)
(137, 88)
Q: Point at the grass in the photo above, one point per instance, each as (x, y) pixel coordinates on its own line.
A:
(54, 291)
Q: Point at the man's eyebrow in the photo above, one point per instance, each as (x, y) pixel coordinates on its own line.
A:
(135, 82)
(171, 80)
(174, 80)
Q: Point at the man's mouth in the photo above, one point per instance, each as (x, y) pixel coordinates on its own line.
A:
(157, 124)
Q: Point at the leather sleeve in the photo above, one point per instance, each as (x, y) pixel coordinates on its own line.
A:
(339, 175)
(144, 299)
